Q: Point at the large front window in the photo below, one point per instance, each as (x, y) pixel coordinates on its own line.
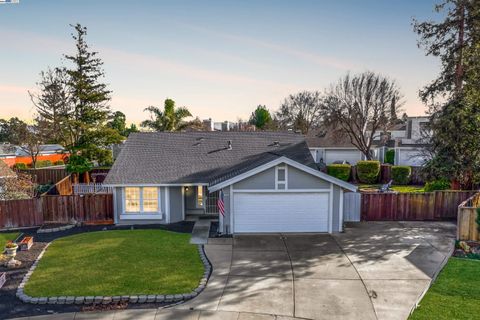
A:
(141, 199)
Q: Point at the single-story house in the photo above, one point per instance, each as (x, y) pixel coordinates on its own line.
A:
(268, 181)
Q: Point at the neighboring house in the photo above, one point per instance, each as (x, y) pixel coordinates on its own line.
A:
(269, 182)
(407, 139)
(11, 154)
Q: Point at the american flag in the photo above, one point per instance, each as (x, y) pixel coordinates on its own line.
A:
(221, 203)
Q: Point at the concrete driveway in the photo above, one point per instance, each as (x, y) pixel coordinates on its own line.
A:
(371, 271)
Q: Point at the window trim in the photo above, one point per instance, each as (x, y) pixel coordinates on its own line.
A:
(283, 167)
(126, 213)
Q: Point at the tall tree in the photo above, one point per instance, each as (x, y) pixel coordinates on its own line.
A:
(87, 127)
(118, 122)
(361, 106)
(170, 119)
(261, 117)
(301, 111)
(53, 104)
(11, 129)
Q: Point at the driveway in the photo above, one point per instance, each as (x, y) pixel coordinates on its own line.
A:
(371, 271)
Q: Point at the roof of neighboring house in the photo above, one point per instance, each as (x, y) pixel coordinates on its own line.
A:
(201, 157)
(324, 138)
(7, 149)
(5, 171)
(44, 149)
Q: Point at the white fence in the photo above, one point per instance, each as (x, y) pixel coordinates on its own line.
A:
(351, 206)
(89, 188)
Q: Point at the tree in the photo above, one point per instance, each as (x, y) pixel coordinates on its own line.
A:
(301, 111)
(53, 104)
(448, 40)
(170, 119)
(360, 106)
(15, 188)
(260, 117)
(90, 97)
(11, 129)
(118, 122)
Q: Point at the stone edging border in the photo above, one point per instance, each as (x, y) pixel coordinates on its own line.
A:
(50, 230)
(87, 300)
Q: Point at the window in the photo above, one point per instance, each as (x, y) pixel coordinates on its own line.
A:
(141, 200)
(199, 196)
(132, 199)
(281, 178)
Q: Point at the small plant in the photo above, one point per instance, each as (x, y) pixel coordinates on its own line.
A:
(11, 245)
(464, 246)
(339, 171)
(390, 156)
(20, 166)
(368, 171)
(401, 174)
(441, 184)
(59, 163)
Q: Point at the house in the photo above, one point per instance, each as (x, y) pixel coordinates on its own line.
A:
(8, 154)
(11, 154)
(268, 182)
(407, 139)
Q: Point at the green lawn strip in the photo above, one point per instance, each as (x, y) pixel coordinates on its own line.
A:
(121, 262)
(7, 236)
(398, 188)
(454, 295)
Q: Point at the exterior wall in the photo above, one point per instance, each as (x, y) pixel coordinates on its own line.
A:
(409, 157)
(9, 160)
(351, 155)
(120, 205)
(298, 179)
(176, 204)
(52, 157)
(262, 180)
(336, 224)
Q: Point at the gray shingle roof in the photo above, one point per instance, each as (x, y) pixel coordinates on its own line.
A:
(201, 157)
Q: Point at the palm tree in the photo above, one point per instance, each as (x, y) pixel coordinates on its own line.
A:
(170, 119)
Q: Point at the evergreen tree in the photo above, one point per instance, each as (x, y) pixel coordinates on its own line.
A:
(260, 117)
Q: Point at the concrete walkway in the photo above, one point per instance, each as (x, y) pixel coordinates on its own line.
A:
(201, 231)
(372, 271)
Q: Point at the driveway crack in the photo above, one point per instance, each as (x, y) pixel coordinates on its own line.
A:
(284, 237)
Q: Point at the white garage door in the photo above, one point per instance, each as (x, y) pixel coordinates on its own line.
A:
(280, 212)
(352, 156)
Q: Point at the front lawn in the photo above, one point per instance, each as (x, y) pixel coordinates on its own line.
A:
(455, 294)
(398, 188)
(120, 262)
(7, 236)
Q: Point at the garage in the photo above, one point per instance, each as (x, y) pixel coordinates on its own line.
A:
(351, 156)
(281, 212)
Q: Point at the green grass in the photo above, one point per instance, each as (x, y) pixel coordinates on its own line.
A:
(455, 294)
(398, 188)
(121, 262)
(7, 236)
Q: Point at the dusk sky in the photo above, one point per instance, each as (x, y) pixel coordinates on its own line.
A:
(218, 58)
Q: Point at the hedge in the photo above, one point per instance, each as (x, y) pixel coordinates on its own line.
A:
(59, 163)
(43, 163)
(20, 165)
(339, 171)
(401, 174)
(441, 184)
(390, 156)
(368, 171)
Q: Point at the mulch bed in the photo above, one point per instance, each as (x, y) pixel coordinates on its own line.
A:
(12, 307)
(467, 250)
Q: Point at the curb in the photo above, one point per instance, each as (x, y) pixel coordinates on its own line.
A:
(139, 299)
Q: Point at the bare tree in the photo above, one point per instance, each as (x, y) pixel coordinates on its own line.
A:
(361, 106)
(301, 111)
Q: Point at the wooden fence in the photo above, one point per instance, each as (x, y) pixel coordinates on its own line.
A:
(46, 175)
(438, 205)
(96, 208)
(88, 188)
(467, 226)
(62, 188)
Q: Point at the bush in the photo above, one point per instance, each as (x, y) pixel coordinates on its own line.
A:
(368, 171)
(440, 184)
(339, 171)
(390, 156)
(59, 163)
(20, 166)
(401, 174)
(43, 163)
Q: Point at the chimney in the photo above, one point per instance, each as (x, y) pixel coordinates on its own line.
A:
(229, 145)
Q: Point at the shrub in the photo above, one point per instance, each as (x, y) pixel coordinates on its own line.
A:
(368, 171)
(440, 184)
(390, 156)
(20, 165)
(401, 174)
(43, 163)
(59, 163)
(339, 171)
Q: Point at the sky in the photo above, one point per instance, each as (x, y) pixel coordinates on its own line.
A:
(218, 58)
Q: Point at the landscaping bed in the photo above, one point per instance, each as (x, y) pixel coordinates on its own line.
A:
(467, 249)
(455, 293)
(397, 188)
